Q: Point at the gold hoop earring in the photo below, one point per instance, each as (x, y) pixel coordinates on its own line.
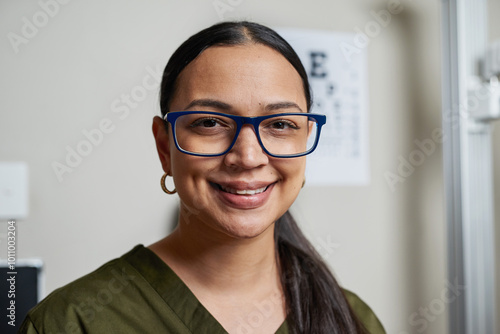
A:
(164, 186)
(303, 183)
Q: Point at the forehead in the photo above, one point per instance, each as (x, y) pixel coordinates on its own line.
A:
(240, 74)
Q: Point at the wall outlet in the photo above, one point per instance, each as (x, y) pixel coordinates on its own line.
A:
(14, 190)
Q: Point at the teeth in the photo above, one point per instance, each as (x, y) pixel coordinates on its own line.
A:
(244, 192)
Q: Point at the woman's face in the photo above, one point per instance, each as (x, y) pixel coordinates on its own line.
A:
(249, 80)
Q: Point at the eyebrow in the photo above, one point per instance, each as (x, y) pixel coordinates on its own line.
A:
(208, 103)
(283, 105)
(226, 107)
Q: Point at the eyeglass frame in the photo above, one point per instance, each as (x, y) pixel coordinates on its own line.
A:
(172, 117)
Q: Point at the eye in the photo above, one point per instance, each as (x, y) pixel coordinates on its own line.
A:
(207, 122)
(282, 124)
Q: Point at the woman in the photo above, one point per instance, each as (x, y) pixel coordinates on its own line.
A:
(235, 130)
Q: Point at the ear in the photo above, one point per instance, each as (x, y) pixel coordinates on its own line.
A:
(162, 143)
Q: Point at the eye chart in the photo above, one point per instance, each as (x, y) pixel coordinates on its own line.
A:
(337, 71)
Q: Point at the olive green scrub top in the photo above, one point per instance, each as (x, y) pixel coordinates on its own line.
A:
(139, 293)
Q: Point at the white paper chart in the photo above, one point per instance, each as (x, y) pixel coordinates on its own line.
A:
(337, 72)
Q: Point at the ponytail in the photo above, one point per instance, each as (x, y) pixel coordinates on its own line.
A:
(315, 302)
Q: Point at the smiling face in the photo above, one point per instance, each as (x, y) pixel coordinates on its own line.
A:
(242, 193)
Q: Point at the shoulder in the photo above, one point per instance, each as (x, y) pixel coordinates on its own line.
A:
(364, 313)
(82, 300)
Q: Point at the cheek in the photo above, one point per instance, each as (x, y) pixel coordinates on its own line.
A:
(292, 170)
(190, 174)
(188, 189)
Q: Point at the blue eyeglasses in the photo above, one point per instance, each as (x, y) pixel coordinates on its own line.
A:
(211, 134)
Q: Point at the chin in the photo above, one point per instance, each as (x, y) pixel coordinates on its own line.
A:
(247, 228)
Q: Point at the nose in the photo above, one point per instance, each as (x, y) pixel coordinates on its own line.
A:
(246, 152)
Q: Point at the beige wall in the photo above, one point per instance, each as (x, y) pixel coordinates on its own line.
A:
(391, 244)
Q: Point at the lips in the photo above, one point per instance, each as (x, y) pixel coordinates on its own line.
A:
(244, 195)
(242, 191)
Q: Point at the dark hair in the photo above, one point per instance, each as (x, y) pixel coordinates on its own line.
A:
(226, 33)
(315, 302)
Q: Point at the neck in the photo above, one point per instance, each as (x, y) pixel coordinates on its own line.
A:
(230, 276)
(202, 256)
